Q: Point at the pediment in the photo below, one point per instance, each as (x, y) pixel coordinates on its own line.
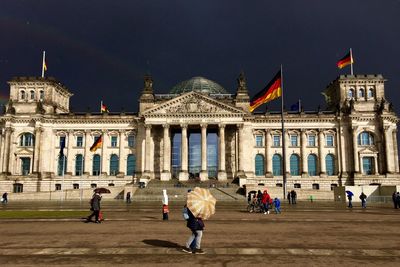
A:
(193, 102)
(368, 150)
(23, 151)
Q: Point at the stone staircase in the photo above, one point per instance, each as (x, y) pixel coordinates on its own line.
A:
(177, 191)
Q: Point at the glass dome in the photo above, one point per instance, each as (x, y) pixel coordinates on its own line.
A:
(198, 84)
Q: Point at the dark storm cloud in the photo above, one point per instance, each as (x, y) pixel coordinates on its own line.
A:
(101, 49)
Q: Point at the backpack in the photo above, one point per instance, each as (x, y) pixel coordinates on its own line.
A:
(185, 214)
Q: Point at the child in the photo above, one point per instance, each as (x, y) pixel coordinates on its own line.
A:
(277, 205)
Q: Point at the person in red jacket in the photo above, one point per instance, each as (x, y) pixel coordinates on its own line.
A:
(265, 201)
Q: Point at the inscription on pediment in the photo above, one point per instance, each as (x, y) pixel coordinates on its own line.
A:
(194, 105)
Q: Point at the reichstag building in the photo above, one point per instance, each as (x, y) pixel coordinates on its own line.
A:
(197, 131)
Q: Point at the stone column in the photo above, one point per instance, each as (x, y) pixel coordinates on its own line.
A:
(183, 174)
(147, 150)
(304, 159)
(122, 155)
(70, 169)
(376, 164)
(268, 154)
(356, 157)
(86, 165)
(204, 171)
(221, 158)
(395, 151)
(6, 153)
(166, 173)
(10, 155)
(38, 143)
(321, 154)
(389, 152)
(2, 133)
(104, 169)
(287, 144)
(241, 149)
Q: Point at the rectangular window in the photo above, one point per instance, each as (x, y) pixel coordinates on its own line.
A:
(293, 140)
(259, 140)
(62, 141)
(131, 140)
(277, 140)
(114, 141)
(79, 141)
(329, 140)
(311, 140)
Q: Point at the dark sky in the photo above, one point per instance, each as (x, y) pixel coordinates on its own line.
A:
(101, 49)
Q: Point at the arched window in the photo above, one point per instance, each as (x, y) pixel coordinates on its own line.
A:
(259, 162)
(79, 165)
(114, 164)
(96, 165)
(312, 164)
(294, 164)
(277, 165)
(22, 95)
(361, 93)
(330, 164)
(62, 165)
(27, 139)
(370, 93)
(32, 95)
(41, 94)
(131, 165)
(131, 140)
(365, 139)
(350, 93)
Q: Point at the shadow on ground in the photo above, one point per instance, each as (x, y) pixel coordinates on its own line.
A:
(161, 243)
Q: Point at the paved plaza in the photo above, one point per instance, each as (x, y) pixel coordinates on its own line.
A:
(306, 234)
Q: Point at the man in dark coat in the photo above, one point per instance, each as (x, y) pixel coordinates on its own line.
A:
(196, 225)
(95, 207)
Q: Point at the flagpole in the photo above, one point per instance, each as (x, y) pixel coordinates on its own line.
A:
(351, 61)
(43, 62)
(101, 106)
(283, 139)
(299, 105)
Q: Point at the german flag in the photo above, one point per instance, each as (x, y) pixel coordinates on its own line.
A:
(346, 60)
(96, 144)
(272, 91)
(103, 108)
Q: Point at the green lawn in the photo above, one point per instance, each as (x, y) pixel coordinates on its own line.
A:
(43, 214)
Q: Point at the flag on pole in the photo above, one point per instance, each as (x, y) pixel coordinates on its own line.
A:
(346, 60)
(272, 91)
(44, 64)
(103, 108)
(296, 107)
(97, 143)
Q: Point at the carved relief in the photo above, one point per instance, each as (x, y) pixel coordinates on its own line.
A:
(194, 105)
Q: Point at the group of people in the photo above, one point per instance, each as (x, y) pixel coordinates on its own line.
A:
(396, 199)
(263, 201)
(362, 197)
(292, 197)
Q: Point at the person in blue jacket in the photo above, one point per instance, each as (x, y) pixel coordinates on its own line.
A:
(277, 205)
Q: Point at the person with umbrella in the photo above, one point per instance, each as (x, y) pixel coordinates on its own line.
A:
(350, 198)
(95, 204)
(200, 206)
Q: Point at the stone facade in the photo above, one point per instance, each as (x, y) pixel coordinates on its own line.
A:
(354, 142)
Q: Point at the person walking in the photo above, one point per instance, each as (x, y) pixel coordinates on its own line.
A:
(363, 198)
(288, 197)
(293, 196)
(277, 205)
(398, 199)
(196, 225)
(165, 209)
(128, 198)
(5, 198)
(350, 198)
(95, 208)
(394, 198)
(265, 201)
